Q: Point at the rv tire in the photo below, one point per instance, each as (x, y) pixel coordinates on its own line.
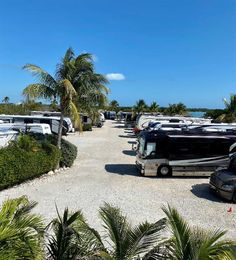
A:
(164, 171)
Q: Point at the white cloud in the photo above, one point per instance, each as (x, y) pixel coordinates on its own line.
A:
(115, 76)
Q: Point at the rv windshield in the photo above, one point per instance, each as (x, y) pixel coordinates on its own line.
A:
(141, 146)
(148, 149)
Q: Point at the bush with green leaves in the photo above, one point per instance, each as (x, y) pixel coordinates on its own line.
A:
(87, 127)
(68, 151)
(26, 159)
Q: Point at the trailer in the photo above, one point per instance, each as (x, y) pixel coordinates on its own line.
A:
(53, 121)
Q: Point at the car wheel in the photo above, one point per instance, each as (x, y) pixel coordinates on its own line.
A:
(164, 171)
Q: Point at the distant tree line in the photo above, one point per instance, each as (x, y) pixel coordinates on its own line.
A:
(228, 114)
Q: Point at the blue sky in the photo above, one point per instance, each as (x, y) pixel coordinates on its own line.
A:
(167, 50)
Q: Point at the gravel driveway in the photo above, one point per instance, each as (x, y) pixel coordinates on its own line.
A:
(105, 171)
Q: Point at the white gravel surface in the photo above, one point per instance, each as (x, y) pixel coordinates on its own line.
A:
(105, 171)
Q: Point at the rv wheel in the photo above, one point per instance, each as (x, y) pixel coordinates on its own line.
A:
(164, 171)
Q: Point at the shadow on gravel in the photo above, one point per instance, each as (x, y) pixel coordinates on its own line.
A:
(129, 152)
(127, 136)
(122, 169)
(132, 142)
(119, 126)
(202, 191)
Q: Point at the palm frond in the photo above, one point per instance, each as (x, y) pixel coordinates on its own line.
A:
(36, 91)
(117, 227)
(210, 245)
(21, 232)
(146, 236)
(63, 244)
(67, 89)
(66, 66)
(181, 234)
(44, 77)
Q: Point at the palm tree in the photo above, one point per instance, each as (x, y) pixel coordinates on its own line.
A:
(188, 243)
(73, 237)
(176, 109)
(21, 232)
(153, 107)
(89, 85)
(114, 105)
(51, 88)
(140, 106)
(128, 242)
(230, 110)
(5, 100)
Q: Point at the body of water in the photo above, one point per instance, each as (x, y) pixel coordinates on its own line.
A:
(196, 114)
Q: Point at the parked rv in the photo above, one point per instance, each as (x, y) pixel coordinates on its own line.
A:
(6, 136)
(144, 120)
(164, 153)
(53, 121)
(45, 113)
(110, 115)
(27, 128)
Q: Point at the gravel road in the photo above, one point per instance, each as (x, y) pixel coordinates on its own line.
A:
(105, 171)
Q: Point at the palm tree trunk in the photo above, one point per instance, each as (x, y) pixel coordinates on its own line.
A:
(60, 131)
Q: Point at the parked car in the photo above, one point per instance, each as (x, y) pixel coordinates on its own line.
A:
(223, 182)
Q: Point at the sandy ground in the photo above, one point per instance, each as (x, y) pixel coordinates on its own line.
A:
(105, 171)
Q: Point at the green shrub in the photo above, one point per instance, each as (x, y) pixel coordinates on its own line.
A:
(27, 143)
(68, 151)
(18, 165)
(87, 127)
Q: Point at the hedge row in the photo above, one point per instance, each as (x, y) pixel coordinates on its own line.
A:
(68, 151)
(18, 164)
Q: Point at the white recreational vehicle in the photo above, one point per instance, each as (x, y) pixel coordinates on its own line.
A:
(52, 121)
(7, 136)
(29, 128)
(144, 120)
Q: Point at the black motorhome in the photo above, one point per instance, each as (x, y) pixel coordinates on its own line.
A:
(110, 115)
(164, 153)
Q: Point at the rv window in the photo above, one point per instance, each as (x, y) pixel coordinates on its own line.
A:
(151, 147)
(44, 121)
(28, 121)
(85, 119)
(141, 146)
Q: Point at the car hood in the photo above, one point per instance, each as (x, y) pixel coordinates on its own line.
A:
(226, 175)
